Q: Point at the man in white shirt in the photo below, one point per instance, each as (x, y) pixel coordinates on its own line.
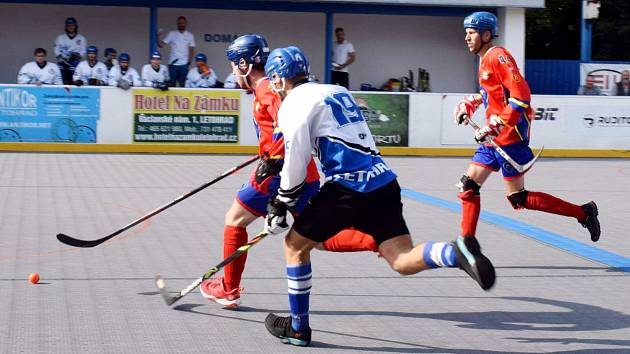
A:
(155, 74)
(182, 45)
(201, 75)
(40, 71)
(343, 56)
(122, 75)
(69, 49)
(90, 72)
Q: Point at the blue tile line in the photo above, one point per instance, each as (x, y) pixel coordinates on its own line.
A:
(552, 239)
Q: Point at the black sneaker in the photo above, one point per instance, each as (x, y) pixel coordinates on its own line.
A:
(281, 327)
(473, 262)
(591, 222)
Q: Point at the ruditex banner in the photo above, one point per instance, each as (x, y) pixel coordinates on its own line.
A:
(48, 114)
(185, 116)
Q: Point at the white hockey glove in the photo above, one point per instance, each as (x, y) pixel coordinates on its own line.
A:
(276, 220)
(490, 131)
(466, 108)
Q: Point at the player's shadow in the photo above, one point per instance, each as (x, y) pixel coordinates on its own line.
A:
(568, 341)
(571, 317)
(544, 267)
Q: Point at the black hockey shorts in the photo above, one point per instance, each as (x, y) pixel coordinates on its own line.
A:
(335, 208)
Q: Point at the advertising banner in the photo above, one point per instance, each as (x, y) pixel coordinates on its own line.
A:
(185, 116)
(606, 75)
(559, 122)
(48, 114)
(387, 115)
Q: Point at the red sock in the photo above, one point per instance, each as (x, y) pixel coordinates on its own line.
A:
(350, 241)
(233, 238)
(471, 207)
(550, 204)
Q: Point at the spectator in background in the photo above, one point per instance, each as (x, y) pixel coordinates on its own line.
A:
(230, 82)
(343, 56)
(69, 49)
(622, 88)
(40, 71)
(201, 75)
(590, 89)
(155, 74)
(122, 75)
(110, 58)
(90, 72)
(182, 45)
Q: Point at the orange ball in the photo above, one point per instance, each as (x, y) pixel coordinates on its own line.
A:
(33, 278)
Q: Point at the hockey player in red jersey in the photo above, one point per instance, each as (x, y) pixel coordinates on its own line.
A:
(248, 55)
(506, 96)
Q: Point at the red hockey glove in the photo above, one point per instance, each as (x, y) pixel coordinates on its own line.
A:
(466, 108)
(490, 131)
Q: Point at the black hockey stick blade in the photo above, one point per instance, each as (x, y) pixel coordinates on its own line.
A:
(71, 241)
(160, 283)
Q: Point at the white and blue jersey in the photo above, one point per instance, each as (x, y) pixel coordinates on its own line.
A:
(326, 120)
(195, 79)
(32, 73)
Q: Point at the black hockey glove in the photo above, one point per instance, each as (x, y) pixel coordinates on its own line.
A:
(162, 86)
(267, 168)
(93, 82)
(79, 83)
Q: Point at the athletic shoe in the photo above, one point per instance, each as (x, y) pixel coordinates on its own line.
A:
(473, 262)
(214, 289)
(591, 222)
(281, 327)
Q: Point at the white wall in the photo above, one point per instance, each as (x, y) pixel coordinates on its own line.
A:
(281, 29)
(512, 33)
(389, 46)
(25, 27)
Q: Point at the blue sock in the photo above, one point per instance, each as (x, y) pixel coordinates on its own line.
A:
(299, 279)
(440, 254)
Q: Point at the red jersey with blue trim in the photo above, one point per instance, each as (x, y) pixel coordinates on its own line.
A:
(506, 94)
(270, 138)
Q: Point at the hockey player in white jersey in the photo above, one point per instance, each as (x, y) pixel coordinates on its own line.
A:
(70, 48)
(360, 192)
(90, 72)
(122, 75)
(155, 74)
(201, 75)
(40, 71)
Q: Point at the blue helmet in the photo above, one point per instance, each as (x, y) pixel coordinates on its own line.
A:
(71, 21)
(482, 21)
(201, 57)
(92, 49)
(109, 51)
(124, 57)
(286, 63)
(251, 47)
(299, 55)
(156, 55)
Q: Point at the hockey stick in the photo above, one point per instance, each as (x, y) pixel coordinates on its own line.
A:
(518, 167)
(91, 243)
(161, 284)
